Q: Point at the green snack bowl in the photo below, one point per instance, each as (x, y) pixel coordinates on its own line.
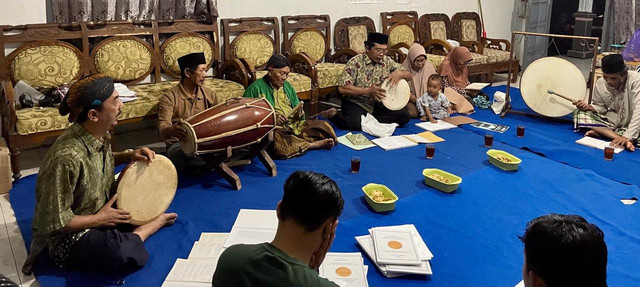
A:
(444, 187)
(508, 166)
(380, 206)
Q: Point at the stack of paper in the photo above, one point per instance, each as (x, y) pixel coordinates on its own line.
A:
(198, 269)
(253, 227)
(397, 250)
(345, 269)
(441, 125)
(359, 145)
(126, 95)
(394, 142)
(424, 137)
(596, 143)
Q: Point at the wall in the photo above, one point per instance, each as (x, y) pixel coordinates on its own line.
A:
(16, 12)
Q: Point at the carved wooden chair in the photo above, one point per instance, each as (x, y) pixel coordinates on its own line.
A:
(467, 28)
(307, 42)
(349, 37)
(252, 41)
(401, 26)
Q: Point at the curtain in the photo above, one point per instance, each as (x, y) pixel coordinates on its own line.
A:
(66, 11)
(626, 19)
(607, 27)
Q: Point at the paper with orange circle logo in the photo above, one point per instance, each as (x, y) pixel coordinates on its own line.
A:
(344, 269)
(395, 247)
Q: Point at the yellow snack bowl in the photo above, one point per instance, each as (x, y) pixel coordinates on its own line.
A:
(442, 186)
(508, 166)
(386, 192)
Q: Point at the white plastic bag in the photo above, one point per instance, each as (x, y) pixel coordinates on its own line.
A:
(498, 102)
(371, 126)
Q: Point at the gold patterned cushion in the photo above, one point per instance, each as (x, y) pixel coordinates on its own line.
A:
(329, 74)
(182, 46)
(435, 60)
(45, 66)
(357, 36)
(469, 32)
(34, 120)
(438, 30)
(478, 59)
(496, 56)
(401, 34)
(310, 42)
(256, 48)
(300, 83)
(123, 60)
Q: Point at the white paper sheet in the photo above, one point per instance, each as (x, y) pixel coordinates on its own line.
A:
(214, 237)
(441, 125)
(596, 143)
(394, 247)
(416, 138)
(185, 284)
(253, 227)
(205, 250)
(394, 142)
(390, 271)
(185, 270)
(476, 86)
(521, 284)
(345, 269)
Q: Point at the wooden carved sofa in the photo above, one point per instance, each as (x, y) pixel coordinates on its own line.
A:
(48, 55)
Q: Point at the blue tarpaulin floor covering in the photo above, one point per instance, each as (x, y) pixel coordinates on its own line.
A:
(473, 232)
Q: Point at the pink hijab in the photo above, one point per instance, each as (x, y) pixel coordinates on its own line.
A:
(420, 77)
(449, 68)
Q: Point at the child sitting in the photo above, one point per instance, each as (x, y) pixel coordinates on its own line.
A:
(434, 104)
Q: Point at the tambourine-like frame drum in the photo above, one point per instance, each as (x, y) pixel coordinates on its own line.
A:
(237, 123)
(397, 96)
(146, 191)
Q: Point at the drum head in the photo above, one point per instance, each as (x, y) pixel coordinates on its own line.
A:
(555, 74)
(190, 146)
(146, 191)
(397, 97)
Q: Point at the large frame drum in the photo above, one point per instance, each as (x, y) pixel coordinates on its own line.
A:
(237, 123)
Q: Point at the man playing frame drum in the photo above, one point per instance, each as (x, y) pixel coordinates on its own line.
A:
(74, 217)
(614, 112)
(186, 99)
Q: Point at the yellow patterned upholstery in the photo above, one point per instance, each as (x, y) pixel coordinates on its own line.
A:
(182, 46)
(256, 48)
(357, 36)
(34, 120)
(123, 60)
(435, 60)
(300, 83)
(496, 56)
(310, 42)
(45, 66)
(469, 32)
(329, 74)
(401, 34)
(478, 59)
(438, 30)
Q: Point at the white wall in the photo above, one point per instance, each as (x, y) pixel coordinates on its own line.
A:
(16, 12)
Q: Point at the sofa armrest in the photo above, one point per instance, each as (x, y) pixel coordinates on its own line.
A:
(473, 46)
(497, 44)
(434, 46)
(342, 56)
(237, 70)
(301, 63)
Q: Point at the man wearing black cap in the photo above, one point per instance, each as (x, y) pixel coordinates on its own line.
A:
(74, 218)
(614, 112)
(187, 98)
(361, 81)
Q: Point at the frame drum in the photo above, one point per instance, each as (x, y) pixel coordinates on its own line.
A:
(146, 191)
(555, 74)
(397, 97)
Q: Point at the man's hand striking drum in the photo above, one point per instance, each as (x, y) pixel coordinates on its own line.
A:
(376, 93)
(178, 132)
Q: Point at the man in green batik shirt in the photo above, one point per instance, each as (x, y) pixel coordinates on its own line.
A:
(74, 217)
(361, 81)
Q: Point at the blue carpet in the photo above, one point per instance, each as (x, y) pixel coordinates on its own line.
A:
(473, 232)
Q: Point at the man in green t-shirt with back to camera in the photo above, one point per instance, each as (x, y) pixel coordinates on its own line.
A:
(307, 219)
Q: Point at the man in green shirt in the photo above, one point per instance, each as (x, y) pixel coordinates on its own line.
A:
(307, 219)
(361, 80)
(74, 217)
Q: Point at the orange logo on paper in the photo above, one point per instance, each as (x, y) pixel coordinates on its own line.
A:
(343, 272)
(394, 244)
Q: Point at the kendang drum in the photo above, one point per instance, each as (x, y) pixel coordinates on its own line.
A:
(556, 75)
(396, 97)
(237, 123)
(146, 191)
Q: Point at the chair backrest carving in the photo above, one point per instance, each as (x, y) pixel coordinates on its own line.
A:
(401, 26)
(352, 32)
(253, 39)
(311, 34)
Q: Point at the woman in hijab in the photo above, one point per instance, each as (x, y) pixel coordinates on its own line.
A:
(416, 62)
(454, 70)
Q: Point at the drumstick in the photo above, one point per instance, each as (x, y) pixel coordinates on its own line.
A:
(559, 95)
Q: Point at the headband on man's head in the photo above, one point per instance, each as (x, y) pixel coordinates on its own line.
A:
(278, 61)
(85, 94)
